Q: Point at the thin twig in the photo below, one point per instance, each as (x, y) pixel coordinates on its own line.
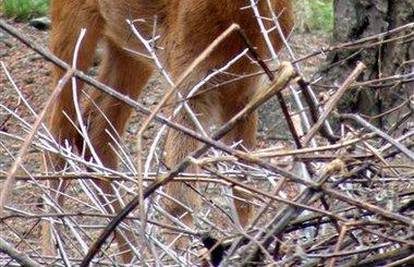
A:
(9, 183)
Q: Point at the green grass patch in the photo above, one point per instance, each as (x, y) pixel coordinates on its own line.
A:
(322, 15)
(315, 15)
(25, 9)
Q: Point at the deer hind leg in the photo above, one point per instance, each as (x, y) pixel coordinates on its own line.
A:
(244, 133)
(107, 114)
(68, 19)
(178, 146)
(211, 110)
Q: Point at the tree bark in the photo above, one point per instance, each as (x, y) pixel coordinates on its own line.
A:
(355, 19)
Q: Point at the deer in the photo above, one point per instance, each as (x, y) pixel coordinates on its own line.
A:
(185, 28)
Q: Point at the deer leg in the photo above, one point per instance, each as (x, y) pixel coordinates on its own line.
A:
(178, 146)
(128, 76)
(244, 131)
(68, 20)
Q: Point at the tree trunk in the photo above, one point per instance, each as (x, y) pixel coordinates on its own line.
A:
(355, 19)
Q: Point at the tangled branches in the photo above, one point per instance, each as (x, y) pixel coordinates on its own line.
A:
(344, 198)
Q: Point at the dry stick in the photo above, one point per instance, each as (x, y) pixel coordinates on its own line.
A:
(272, 197)
(374, 129)
(380, 259)
(334, 101)
(17, 255)
(338, 253)
(275, 192)
(367, 206)
(23, 239)
(403, 262)
(286, 74)
(113, 178)
(96, 215)
(354, 44)
(268, 153)
(291, 176)
(314, 108)
(306, 166)
(341, 237)
(10, 180)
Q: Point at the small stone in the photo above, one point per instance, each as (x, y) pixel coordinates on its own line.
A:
(4, 53)
(150, 100)
(41, 23)
(4, 38)
(29, 80)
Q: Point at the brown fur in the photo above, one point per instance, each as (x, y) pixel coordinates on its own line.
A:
(186, 28)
